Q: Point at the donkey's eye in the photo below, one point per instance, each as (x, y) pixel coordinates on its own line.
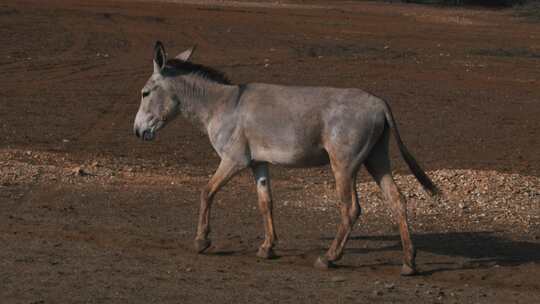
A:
(145, 93)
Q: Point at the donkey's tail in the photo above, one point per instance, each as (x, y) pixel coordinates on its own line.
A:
(418, 172)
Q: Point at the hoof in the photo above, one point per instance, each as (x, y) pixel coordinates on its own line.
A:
(323, 263)
(202, 245)
(407, 270)
(266, 253)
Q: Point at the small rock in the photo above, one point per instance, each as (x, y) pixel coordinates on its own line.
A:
(338, 279)
(389, 286)
(79, 171)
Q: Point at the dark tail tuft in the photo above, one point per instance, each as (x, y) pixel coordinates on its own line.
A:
(418, 172)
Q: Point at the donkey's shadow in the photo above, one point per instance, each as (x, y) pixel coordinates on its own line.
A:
(479, 249)
(463, 250)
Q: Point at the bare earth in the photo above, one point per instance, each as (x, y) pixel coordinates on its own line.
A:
(89, 214)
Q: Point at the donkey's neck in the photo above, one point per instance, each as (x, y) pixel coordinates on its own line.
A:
(201, 100)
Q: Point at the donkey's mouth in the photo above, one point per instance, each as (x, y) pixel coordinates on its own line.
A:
(148, 135)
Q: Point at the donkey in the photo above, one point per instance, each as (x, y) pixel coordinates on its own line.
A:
(252, 125)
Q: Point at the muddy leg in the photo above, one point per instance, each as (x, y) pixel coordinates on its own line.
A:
(350, 210)
(262, 178)
(378, 165)
(224, 173)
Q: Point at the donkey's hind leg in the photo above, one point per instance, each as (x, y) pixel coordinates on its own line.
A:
(350, 210)
(262, 178)
(378, 165)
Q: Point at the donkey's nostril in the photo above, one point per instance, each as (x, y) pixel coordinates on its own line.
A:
(137, 132)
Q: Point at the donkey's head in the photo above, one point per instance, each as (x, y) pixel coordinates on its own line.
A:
(159, 103)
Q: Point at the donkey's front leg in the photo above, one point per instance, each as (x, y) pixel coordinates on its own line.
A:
(262, 178)
(226, 170)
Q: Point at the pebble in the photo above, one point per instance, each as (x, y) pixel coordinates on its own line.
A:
(79, 171)
(389, 286)
(338, 279)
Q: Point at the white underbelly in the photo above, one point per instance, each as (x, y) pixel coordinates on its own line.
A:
(292, 157)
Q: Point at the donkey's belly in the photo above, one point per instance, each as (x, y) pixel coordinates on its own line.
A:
(290, 156)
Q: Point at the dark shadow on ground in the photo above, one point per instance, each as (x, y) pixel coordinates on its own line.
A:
(479, 249)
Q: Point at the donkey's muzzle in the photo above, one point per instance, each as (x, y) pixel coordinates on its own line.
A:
(147, 135)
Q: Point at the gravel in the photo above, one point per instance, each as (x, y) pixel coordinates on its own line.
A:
(472, 200)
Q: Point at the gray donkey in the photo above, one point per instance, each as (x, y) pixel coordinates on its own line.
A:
(252, 125)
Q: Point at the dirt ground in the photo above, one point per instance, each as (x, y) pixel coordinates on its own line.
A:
(90, 214)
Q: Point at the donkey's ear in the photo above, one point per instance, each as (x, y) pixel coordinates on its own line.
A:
(160, 58)
(185, 55)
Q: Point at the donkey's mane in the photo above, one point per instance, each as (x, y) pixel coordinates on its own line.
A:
(176, 66)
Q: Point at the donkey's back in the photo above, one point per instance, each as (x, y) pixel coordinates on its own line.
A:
(300, 126)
